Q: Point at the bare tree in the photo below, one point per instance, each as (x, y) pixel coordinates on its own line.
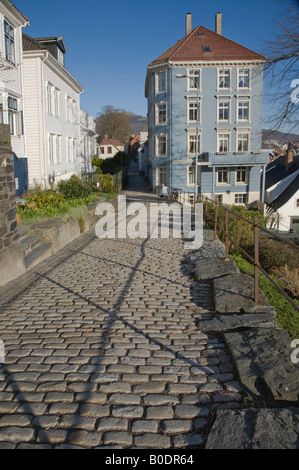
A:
(115, 123)
(282, 69)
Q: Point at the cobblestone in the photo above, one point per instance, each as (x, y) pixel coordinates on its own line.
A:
(103, 350)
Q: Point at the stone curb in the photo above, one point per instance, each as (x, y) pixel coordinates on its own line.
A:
(260, 350)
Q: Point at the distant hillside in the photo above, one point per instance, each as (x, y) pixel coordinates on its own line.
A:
(138, 122)
(279, 136)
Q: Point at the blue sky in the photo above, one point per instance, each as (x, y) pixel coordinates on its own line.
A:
(110, 43)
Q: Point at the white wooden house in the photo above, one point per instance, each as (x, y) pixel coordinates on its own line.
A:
(11, 76)
(88, 142)
(51, 112)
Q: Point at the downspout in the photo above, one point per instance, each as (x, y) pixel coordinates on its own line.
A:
(263, 184)
(213, 183)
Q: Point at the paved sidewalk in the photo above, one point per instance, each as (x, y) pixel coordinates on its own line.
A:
(103, 351)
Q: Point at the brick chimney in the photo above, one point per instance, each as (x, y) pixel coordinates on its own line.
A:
(188, 23)
(218, 24)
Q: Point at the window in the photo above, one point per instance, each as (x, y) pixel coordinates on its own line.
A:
(194, 80)
(243, 79)
(240, 198)
(109, 150)
(161, 175)
(193, 149)
(193, 111)
(222, 175)
(297, 202)
(12, 106)
(9, 43)
(206, 49)
(161, 113)
(242, 141)
(69, 109)
(60, 56)
(58, 149)
(161, 82)
(241, 174)
(223, 142)
(243, 110)
(56, 102)
(223, 111)
(191, 175)
(224, 79)
(161, 145)
(69, 149)
(51, 149)
(102, 150)
(50, 98)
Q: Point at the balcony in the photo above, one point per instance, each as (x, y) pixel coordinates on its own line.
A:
(233, 158)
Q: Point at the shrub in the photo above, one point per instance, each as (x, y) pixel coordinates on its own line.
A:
(74, 188)
(107, 184)
(98, 163)
(42, 199)
(239, 230)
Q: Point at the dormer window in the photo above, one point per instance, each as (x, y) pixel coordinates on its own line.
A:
(206, 48)
(9, 43)
(60, 56)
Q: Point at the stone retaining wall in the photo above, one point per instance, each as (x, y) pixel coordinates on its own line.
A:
(11, 254)
(260, 351)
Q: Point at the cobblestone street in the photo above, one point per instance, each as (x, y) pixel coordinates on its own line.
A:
(102, 351)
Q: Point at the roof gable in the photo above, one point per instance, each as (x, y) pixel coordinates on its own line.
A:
(193, 47)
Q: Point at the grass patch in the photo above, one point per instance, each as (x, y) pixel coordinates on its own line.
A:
(76, 208)
(287, 316)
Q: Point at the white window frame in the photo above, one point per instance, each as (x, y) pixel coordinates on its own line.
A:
(219, 73)
(243, 196)
(60, 56)
(50, 98)
(58, 149)
(12, 114)
(194, 72)
(222, 100)
(223, 132)
(240, 70)
(191, 175)
(196, 109)
(9, 42)
(238, 134)
(223, 170)
(159, 144)
(192, 133)
(159, 170)
(159, 113)
(68, 109)
(52, 150)
(242, 170)
(244, 99)
(56, 102)
(159, 80)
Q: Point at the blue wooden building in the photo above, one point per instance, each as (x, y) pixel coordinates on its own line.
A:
(205, 98)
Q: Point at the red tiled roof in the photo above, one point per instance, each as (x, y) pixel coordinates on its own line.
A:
(114, 142)
(19, 11)
(191, 48)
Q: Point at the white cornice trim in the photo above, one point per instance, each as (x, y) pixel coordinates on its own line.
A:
(210, 63)
(54, 65)
(15, 13)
